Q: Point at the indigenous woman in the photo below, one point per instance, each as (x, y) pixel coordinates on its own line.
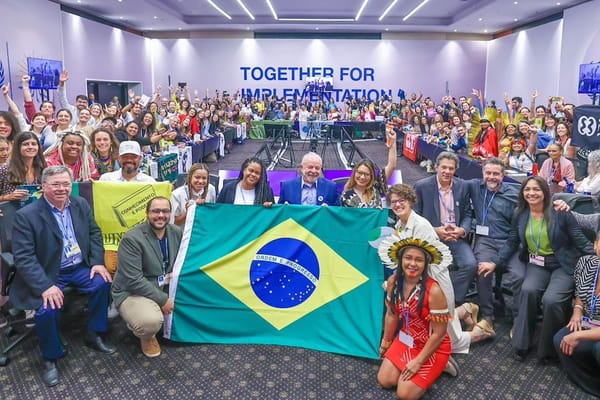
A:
(415, 345)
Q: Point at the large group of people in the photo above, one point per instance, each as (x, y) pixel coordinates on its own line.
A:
(448, 232)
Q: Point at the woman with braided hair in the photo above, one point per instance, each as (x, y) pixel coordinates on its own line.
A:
(71, 149)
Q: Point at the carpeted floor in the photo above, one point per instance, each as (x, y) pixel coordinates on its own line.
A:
(265, 372)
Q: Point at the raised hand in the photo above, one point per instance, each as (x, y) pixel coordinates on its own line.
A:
(5, 89)
(64, 76)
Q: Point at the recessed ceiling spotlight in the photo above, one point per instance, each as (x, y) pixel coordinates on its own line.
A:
(156, 17)
(120, 17)
(455, 30)
(558, 4)
(516, 19)
(485, 31)
(317, 28)
(120, 1)
(515, 2)
(387, 29)
(247, 28)
(179, 29)
(480, 19)
(79, 1)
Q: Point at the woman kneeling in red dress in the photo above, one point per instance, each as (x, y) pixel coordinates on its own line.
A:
(418, 354)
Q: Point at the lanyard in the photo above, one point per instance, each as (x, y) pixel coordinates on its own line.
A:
(594, 297)
(537, 244)
(485, 210)
(63, 223)
(406, 310)
(164, 249)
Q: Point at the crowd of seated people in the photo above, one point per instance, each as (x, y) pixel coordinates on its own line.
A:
(94, 140)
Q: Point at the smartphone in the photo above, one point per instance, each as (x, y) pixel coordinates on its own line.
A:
(556, 98)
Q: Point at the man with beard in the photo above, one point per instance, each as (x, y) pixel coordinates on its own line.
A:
(494, 203)
(310, 188)
(141, 286)
(130, 157)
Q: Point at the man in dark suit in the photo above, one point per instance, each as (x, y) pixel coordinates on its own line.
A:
(140, 289)
(445, 202)
(57, 243)
(310, 188)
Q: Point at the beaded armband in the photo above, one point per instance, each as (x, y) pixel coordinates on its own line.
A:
(439, 315)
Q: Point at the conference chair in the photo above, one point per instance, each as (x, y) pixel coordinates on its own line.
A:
(16, 331)
(540, 158)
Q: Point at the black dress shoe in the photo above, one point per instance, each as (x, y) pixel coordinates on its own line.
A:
(50, 375)
(93, 340)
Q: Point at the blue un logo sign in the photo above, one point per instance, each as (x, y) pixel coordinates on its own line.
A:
(1, 73)
(284, 273)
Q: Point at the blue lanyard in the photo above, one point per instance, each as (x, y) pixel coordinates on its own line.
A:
(485, 210)
(65, 223)
(406, 310)
(537, 244)
(163, 245)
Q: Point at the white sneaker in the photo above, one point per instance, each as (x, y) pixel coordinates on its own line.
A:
(112, 311)
(452, 367)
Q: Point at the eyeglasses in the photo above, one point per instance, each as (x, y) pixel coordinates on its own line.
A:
(59, 185)
(399, 201)
(160, 210)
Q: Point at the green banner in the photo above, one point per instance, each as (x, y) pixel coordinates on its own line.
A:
(288, 275)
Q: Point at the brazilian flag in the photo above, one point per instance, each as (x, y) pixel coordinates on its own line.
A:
(287, 275)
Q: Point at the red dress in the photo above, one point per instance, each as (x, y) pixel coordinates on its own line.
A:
(418, 328)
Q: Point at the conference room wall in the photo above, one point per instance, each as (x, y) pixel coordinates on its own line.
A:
(25, 31)
(523, 62)
(412, 65)
(581, 44)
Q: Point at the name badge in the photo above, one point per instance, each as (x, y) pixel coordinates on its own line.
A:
(71, 250)
(406, 339)
(588, 323)
(536, 260)
(482, 230)
(164, 280)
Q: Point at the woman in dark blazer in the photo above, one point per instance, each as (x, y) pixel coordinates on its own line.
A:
(251, 187)
(550, 243)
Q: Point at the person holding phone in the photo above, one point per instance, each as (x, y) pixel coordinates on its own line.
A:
(24, 168)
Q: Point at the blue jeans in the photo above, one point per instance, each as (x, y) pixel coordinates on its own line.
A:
(47, 320)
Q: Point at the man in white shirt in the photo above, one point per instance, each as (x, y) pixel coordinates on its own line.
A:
(130, 157)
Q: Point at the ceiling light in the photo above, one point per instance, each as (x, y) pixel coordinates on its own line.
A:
(216, 7)
(387, 10)
(480, 19)
(558, 4)
(179, 29)
(317, 19)
(455, 30)
(485, 31)
(516, 19)
(387, 29)
(360, 10)
(317, 28)
(120, 17)
(515, 2)
(415, 10)
(155, 17)
(272, 9)
(79, 1)
(241, 3)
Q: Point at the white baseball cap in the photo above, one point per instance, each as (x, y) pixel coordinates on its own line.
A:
(130, 147)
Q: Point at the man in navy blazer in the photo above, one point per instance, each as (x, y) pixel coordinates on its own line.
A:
(446, 203)
(57, 243)
(310, 188)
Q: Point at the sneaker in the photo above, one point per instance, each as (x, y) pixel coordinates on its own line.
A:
(112, 311)
(150, 347)
(3, 321)
(29, 318)
(452, 367)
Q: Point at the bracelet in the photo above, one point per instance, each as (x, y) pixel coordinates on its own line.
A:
(386, 343)
(578, 306)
